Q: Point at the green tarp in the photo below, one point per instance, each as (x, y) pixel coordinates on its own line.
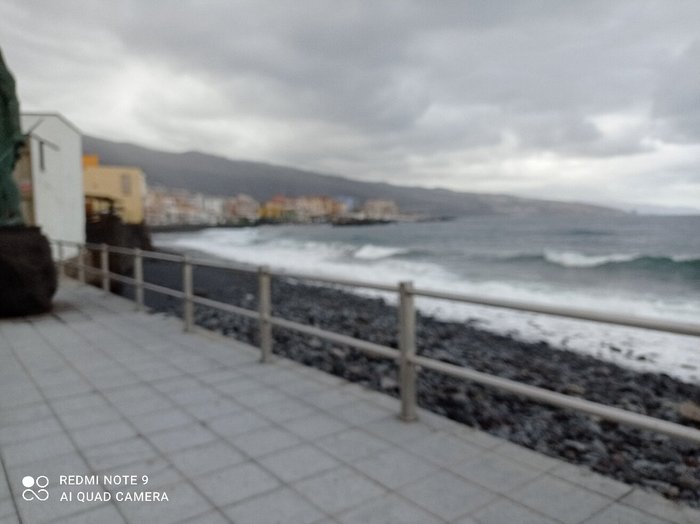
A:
(11, 140)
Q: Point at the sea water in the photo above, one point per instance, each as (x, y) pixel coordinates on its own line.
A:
(638, 265)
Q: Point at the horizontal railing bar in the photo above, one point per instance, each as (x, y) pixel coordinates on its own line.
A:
(337, 281)
(92, 245)
(121, 278)
(162, 289)
(376, 350)
(221, 264)
(563, 401)
(669, 326)
(162, 256)
(120, 250)
(225, 307)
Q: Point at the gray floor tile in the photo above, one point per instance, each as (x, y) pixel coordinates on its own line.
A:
(590, 480)
(184, 502)
(29, 430)
(36, 449)
(263, 441)
(390, 509)
(212, 409)
(238, 386)
(259, 397)
(503, 511)
(284, 410)
(619, 514)
(359, 412)
(87, 401)
(149, 423)
(329, 399)
(102, 434)
(236, 483)
(394, 467)
(338, 489)
(197, 395)
(560, 499)
(105, 514)
(160, 473)
(210, 517)
(123, 452)
(352, 444)
(7, 506)
(526, 456)
(393, 429)
(23, 414)
(298, 462)
(184, 437)
(282, 506)
(447, 495)
(495, 473)
(654, 504)
(229, 426)
(206, 457)
(77, 419)
(442, 449)
(314, 426)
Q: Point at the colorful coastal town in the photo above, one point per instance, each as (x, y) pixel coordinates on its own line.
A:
(123, 190)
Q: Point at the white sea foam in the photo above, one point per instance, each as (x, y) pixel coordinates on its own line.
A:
(686, 258)
(640, 349)
(574, 259)
(372, 252)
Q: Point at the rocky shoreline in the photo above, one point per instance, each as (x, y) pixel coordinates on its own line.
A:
(633, 456)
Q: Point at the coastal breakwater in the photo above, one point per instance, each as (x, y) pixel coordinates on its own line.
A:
(633, 456)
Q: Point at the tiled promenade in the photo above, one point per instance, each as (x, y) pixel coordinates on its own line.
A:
(96, 388)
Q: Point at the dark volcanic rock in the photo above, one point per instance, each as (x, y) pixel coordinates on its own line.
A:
(27, 272)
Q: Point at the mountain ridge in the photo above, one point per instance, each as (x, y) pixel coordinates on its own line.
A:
(217, 175)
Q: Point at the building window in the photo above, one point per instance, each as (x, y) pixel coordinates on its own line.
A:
(126, 185)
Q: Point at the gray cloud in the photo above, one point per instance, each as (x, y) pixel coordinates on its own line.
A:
(483, 95)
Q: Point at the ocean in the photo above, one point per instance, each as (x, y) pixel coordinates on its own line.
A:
(641, 265)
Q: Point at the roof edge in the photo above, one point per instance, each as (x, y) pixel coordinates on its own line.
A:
(54, 114)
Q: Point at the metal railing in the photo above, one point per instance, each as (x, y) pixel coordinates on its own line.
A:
(409, 363)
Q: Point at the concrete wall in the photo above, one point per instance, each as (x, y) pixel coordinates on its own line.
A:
(57, 182)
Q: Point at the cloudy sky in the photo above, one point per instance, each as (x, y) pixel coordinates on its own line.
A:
(587, 100)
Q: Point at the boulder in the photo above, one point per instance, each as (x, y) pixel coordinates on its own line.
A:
(27, 272)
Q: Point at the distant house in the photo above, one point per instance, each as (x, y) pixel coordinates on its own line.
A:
(50, 177)
(380, 209)
(241, 207)
(124, 186)
(278, 208)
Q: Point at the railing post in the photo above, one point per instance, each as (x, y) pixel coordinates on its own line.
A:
(138, 277)
(104, 267)
(187, 305)
(59, 249)
(407, 347)
(264, 313)
(81, 264)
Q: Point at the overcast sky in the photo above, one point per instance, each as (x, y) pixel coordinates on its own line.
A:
(586, 100)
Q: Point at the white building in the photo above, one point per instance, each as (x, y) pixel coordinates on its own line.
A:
(50, 177)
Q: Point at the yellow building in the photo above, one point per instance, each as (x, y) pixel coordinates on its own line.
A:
(124, 187)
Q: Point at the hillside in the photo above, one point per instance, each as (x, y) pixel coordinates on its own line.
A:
(221, 176)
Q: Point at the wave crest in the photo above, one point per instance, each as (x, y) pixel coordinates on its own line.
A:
(374, 252)
(574, 259)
